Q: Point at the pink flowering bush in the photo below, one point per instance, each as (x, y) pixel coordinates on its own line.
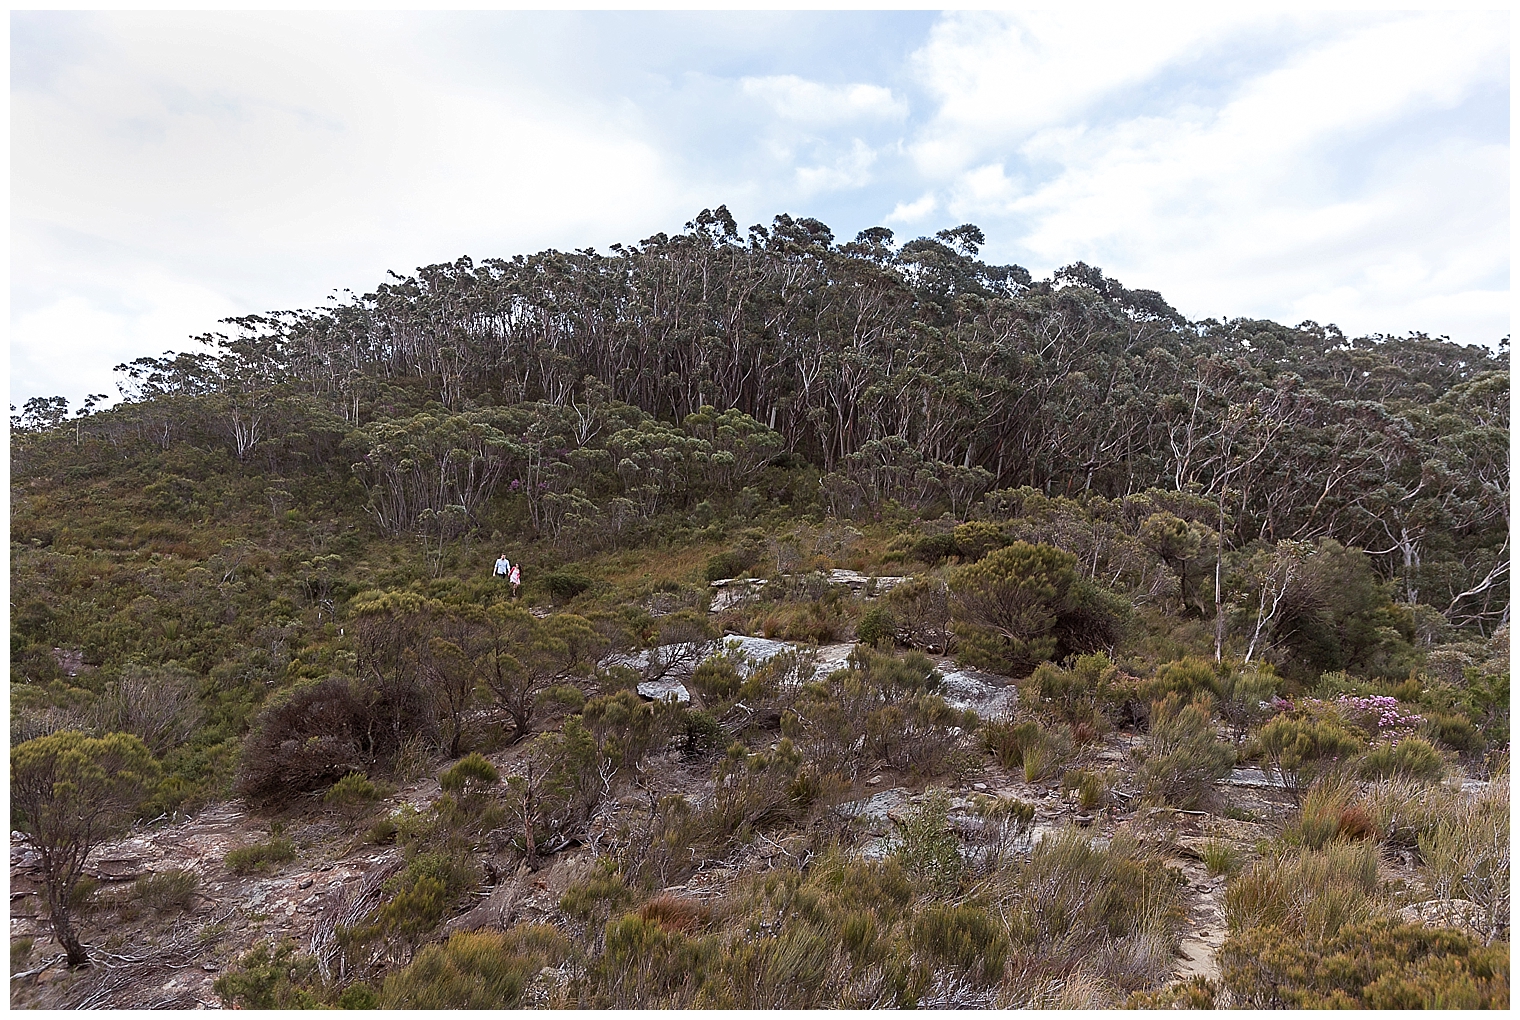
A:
(1379, 716)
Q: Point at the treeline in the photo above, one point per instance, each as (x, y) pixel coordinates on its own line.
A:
(918, 375)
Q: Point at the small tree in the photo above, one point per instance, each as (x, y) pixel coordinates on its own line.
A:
(69, 793)
(1006, 605)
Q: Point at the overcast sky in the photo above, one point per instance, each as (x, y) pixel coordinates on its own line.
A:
(172, 169)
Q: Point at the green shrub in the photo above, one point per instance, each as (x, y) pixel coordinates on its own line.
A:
(1090, 787)
(925, 844)
(1077, 904)
(935, 548)
(1301, 749)
(962, 936)
(1327, 814)
(563, 585)
(248, 859)
(172, 889)
(1076, 694)
(976, 539)
(382, 833)
(470, 775)
(354, 788)
(1006, 606)
(1411, 757)
(1309, 893)
(728, 564)
(1008, 740)
(270, 977)
(472, 970)
(1220, 857)
(877, 625)
(1184, 755)
(1379, 964)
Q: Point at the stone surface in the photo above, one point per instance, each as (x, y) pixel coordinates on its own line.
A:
(664, 690)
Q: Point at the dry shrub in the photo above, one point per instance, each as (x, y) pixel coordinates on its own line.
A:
(1113, 909)
(675, 913)
(321, 732)
(1311, 893)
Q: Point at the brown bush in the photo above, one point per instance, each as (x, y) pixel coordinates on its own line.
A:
(675, 913)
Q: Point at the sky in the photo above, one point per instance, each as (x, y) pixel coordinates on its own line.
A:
(169, 170)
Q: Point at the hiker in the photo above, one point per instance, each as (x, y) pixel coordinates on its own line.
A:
(516, 579)
(503, 567)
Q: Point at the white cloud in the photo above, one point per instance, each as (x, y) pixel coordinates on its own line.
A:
(851, 170)
(998, 77)
(913, 212)
(268, 159)
(1298, 194)
(809, 102)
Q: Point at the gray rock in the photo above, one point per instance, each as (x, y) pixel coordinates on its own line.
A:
(664, 690)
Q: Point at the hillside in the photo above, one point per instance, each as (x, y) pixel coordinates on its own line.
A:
(895, 630)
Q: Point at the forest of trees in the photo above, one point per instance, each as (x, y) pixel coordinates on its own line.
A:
(1151, 524)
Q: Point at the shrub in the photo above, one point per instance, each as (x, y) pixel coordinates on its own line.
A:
(354, 788)
(728, 564)
(1380, 964)
(1075, 904)
(1220, 857)
(976, 539)
(172, 889)
(964, 937)
(323, 731)
(1411, 757)
(1006, 604)
(470, 775)
(1090, 787)
(1327, 815)
(935, 548)
(248, 859)
(269, 977)
(1184, 754)
(472, 970)
(563, 585)
(925, 844)
(1008, 740)
(1075, 694)
(1308, 893)
(877, 625)
(1301, 749)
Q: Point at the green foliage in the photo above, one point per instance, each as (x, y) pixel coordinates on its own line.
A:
(1410, 757)
(246, 860)
(1184, 755)
(171, 889)
(925, 845)
(1299, 749)
(877, 625)
(1074, 899)
(474, 970)
(470, 775)
(1220, 857)
(354, 788)
(1379, 964)
(976, 539)
(69, 793)
(1075, 694)
(270, 977)
(1006, 606)
(1307, 893)
(731, 563)
(1327, 814)
(963, 937)
(563, 585)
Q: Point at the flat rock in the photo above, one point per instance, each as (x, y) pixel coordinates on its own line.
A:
(664, 690)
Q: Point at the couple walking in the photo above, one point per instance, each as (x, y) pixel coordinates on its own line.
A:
(509, 572)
